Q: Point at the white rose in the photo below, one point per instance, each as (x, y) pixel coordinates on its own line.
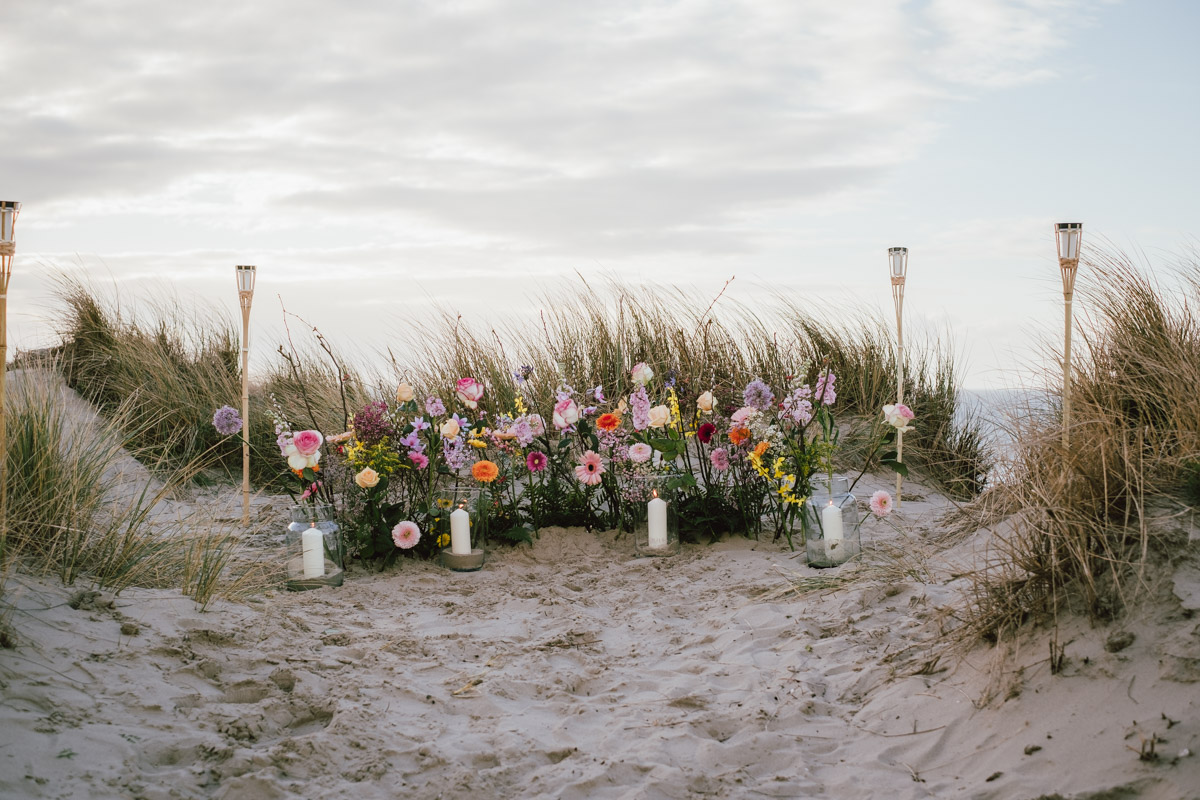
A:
(297, 461)
(659, 416)
(642, 374)
(450, 428)
(705, 402)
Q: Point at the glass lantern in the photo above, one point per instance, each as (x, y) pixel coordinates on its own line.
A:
(315, 555)
(467, 533)
(649, 511)
(832, 523)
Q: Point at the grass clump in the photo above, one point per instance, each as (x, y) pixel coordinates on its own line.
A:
(1086, 521)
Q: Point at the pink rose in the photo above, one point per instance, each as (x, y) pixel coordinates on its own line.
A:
(566, 414)
(536, 424)
(470, 391)
(307, 442)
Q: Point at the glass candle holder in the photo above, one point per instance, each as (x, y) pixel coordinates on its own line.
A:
(649, 512)
(313, 543)
(831, 530)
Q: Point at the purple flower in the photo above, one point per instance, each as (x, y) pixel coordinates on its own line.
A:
(758, 395)
(523, 374)
(227, 421)
(419, 424)
(463, 422)
(455, 453)
(639, 401)
(825, 392)
(523, 431)
(434, 406)
(598, 394)
(670, 377)
(797, 406)
(589, 411)
(371, 424)
(413, 442)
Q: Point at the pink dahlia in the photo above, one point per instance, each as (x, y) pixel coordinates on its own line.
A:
(590, 468)
(406, 535)
(640, 453)
(881, 503)
(307, 442)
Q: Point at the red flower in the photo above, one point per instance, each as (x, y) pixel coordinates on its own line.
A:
(705, 432)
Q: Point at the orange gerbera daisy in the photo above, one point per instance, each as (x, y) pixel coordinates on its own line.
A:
(485, 471)
(761, 448)
(608, 422)
(739, 435)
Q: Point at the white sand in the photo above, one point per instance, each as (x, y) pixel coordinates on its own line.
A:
(572, 670)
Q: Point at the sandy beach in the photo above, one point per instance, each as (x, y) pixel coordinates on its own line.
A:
(572, 669)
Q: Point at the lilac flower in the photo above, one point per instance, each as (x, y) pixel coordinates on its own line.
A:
(227, 421)
(797, 406)
(589, 411)
(565, 392)
(434, 406)
(523, 431)
(598, 394)
(419, 424)
(456, 453)
(523, 374)
(463, 422)
(670, 377)
(413, 442)
(825, 392)
(758, 395)
(639, 402)
(371, 424)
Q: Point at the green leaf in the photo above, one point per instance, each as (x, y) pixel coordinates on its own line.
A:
(682, 482)
(896, 466)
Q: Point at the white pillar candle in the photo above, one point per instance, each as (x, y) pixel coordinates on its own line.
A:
(831, 521)
(656, 516)
(312, 545)
(460, 532)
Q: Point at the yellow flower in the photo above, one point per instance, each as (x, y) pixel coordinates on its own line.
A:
(444, 502)
(477, 443)
(673, 401)
(443, 540)
(520, 404)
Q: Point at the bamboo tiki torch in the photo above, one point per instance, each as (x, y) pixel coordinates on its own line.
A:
(898, 264)
(245, 284)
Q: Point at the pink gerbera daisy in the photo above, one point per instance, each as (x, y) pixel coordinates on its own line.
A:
(590, 468)
(406, 535)
(419, 460)
(881, 503)
(536, 461)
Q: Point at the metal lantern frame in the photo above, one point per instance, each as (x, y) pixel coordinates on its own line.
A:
(898, 271)
(246, 276)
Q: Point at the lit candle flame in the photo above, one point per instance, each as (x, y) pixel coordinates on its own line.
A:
(654, 492)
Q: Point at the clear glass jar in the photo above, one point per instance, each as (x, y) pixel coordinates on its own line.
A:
(831, 524)
(323, 518)
(649, 511)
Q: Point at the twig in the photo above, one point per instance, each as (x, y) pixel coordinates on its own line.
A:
(713, 303)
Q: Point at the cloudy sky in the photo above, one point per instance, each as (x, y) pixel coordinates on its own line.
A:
(375, 156)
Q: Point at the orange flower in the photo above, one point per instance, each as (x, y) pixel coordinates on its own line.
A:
(739, 435)
(485, 471)
(761, 448)
(608, 422)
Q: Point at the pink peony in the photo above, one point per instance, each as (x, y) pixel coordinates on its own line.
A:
(307, 442)
(881, 503)
(536, 461)
(590, 468)
(744, 413)
(470, 391)
(640, 453)
(566, 414)
(406, 535)
(719, 459)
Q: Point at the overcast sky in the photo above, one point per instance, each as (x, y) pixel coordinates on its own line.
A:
(372, 157)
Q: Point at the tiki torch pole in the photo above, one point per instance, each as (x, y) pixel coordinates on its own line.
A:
(1068, 236)
(245, 281)
(9, 210)
(898, 266)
